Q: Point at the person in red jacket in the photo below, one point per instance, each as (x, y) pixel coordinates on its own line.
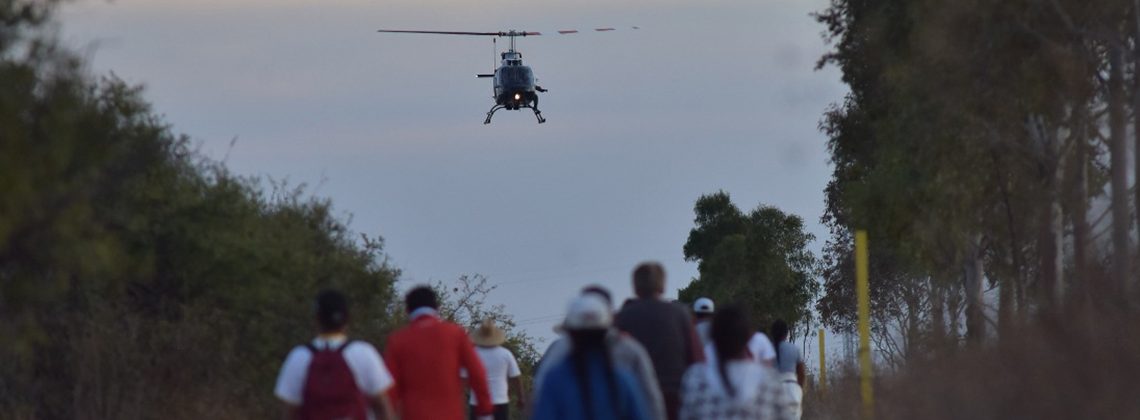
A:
(424, 358)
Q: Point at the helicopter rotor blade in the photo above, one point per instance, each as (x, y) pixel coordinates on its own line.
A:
(606, 29)
(502, 33)
(441, 32)
(511, 33)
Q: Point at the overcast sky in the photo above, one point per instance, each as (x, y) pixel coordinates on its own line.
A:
(707, 95)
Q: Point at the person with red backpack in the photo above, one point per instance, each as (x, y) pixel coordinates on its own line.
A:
(333, 377)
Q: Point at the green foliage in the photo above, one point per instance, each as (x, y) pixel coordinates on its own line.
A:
(138, 279)
(760, 259)
(969, 128)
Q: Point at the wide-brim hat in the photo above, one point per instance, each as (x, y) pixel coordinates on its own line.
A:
(488, 334)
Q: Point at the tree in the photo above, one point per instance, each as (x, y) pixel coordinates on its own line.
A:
(137, 278)
(464, 303)
(969, 131)
(759, 259)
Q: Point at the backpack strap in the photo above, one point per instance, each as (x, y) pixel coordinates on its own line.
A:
(312, 349)
(344, 346)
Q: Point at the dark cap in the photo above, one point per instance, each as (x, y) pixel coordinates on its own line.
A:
(332, 310)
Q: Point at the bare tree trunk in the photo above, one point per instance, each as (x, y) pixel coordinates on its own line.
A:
(937, 314)
(1005, 305)
(1055, 261)
(1136, 131)
(1050, 226)
(1080, 215)
(1135, 124)
(1011, 287)
(1021, 303)
(1117, 147)
(973, 282)
(953, 307)
(1078, 210)
(911, 343)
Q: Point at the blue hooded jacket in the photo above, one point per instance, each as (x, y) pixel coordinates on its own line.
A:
(561, 397)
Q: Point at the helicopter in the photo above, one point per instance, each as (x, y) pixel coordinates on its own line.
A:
(514, 84)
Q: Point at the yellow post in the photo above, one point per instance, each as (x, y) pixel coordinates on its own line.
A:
(822, 366)
(864, 295)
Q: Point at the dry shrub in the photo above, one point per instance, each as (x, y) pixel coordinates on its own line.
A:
(841, 398)
(124, 366)
(1083, 363)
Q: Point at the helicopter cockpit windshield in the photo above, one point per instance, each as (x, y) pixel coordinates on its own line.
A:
(516, 77)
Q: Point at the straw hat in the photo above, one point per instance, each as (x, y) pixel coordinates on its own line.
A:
(488, 335)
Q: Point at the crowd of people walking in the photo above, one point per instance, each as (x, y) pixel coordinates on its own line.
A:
(651, 359)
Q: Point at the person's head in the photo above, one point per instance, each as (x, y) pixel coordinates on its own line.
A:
(487, 334)
(779, 331)
(588, 318)
(649, 280)
(601, 292)
(731, 330)
(420, 297)
(591, 290)
(332, 311)
(588, 312)
(703, 308)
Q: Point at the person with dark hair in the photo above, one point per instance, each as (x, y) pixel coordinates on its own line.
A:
(664, 328)
(425, 358)
(625, 352)
(332, 376)
(729, 385)
(790, 365)
(587, 384)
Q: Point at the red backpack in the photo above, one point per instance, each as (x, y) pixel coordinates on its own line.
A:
(330, 391)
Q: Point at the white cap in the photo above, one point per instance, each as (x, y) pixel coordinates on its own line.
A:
(587, 312)
(703, 306)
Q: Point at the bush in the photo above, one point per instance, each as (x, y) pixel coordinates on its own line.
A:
(137, 278)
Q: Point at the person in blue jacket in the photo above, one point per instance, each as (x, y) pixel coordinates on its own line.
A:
(586, 385)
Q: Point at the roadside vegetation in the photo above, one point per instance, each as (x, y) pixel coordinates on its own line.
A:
(985, 147)
(139, 279)
(760, 260)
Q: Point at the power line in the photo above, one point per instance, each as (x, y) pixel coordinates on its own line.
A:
(549, 277)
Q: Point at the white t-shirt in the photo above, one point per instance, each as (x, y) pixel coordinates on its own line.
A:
(759, 346)
(372, 378)
(704, 332)
(500, 364)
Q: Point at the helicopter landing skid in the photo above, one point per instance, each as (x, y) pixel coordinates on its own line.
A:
(491, 113)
